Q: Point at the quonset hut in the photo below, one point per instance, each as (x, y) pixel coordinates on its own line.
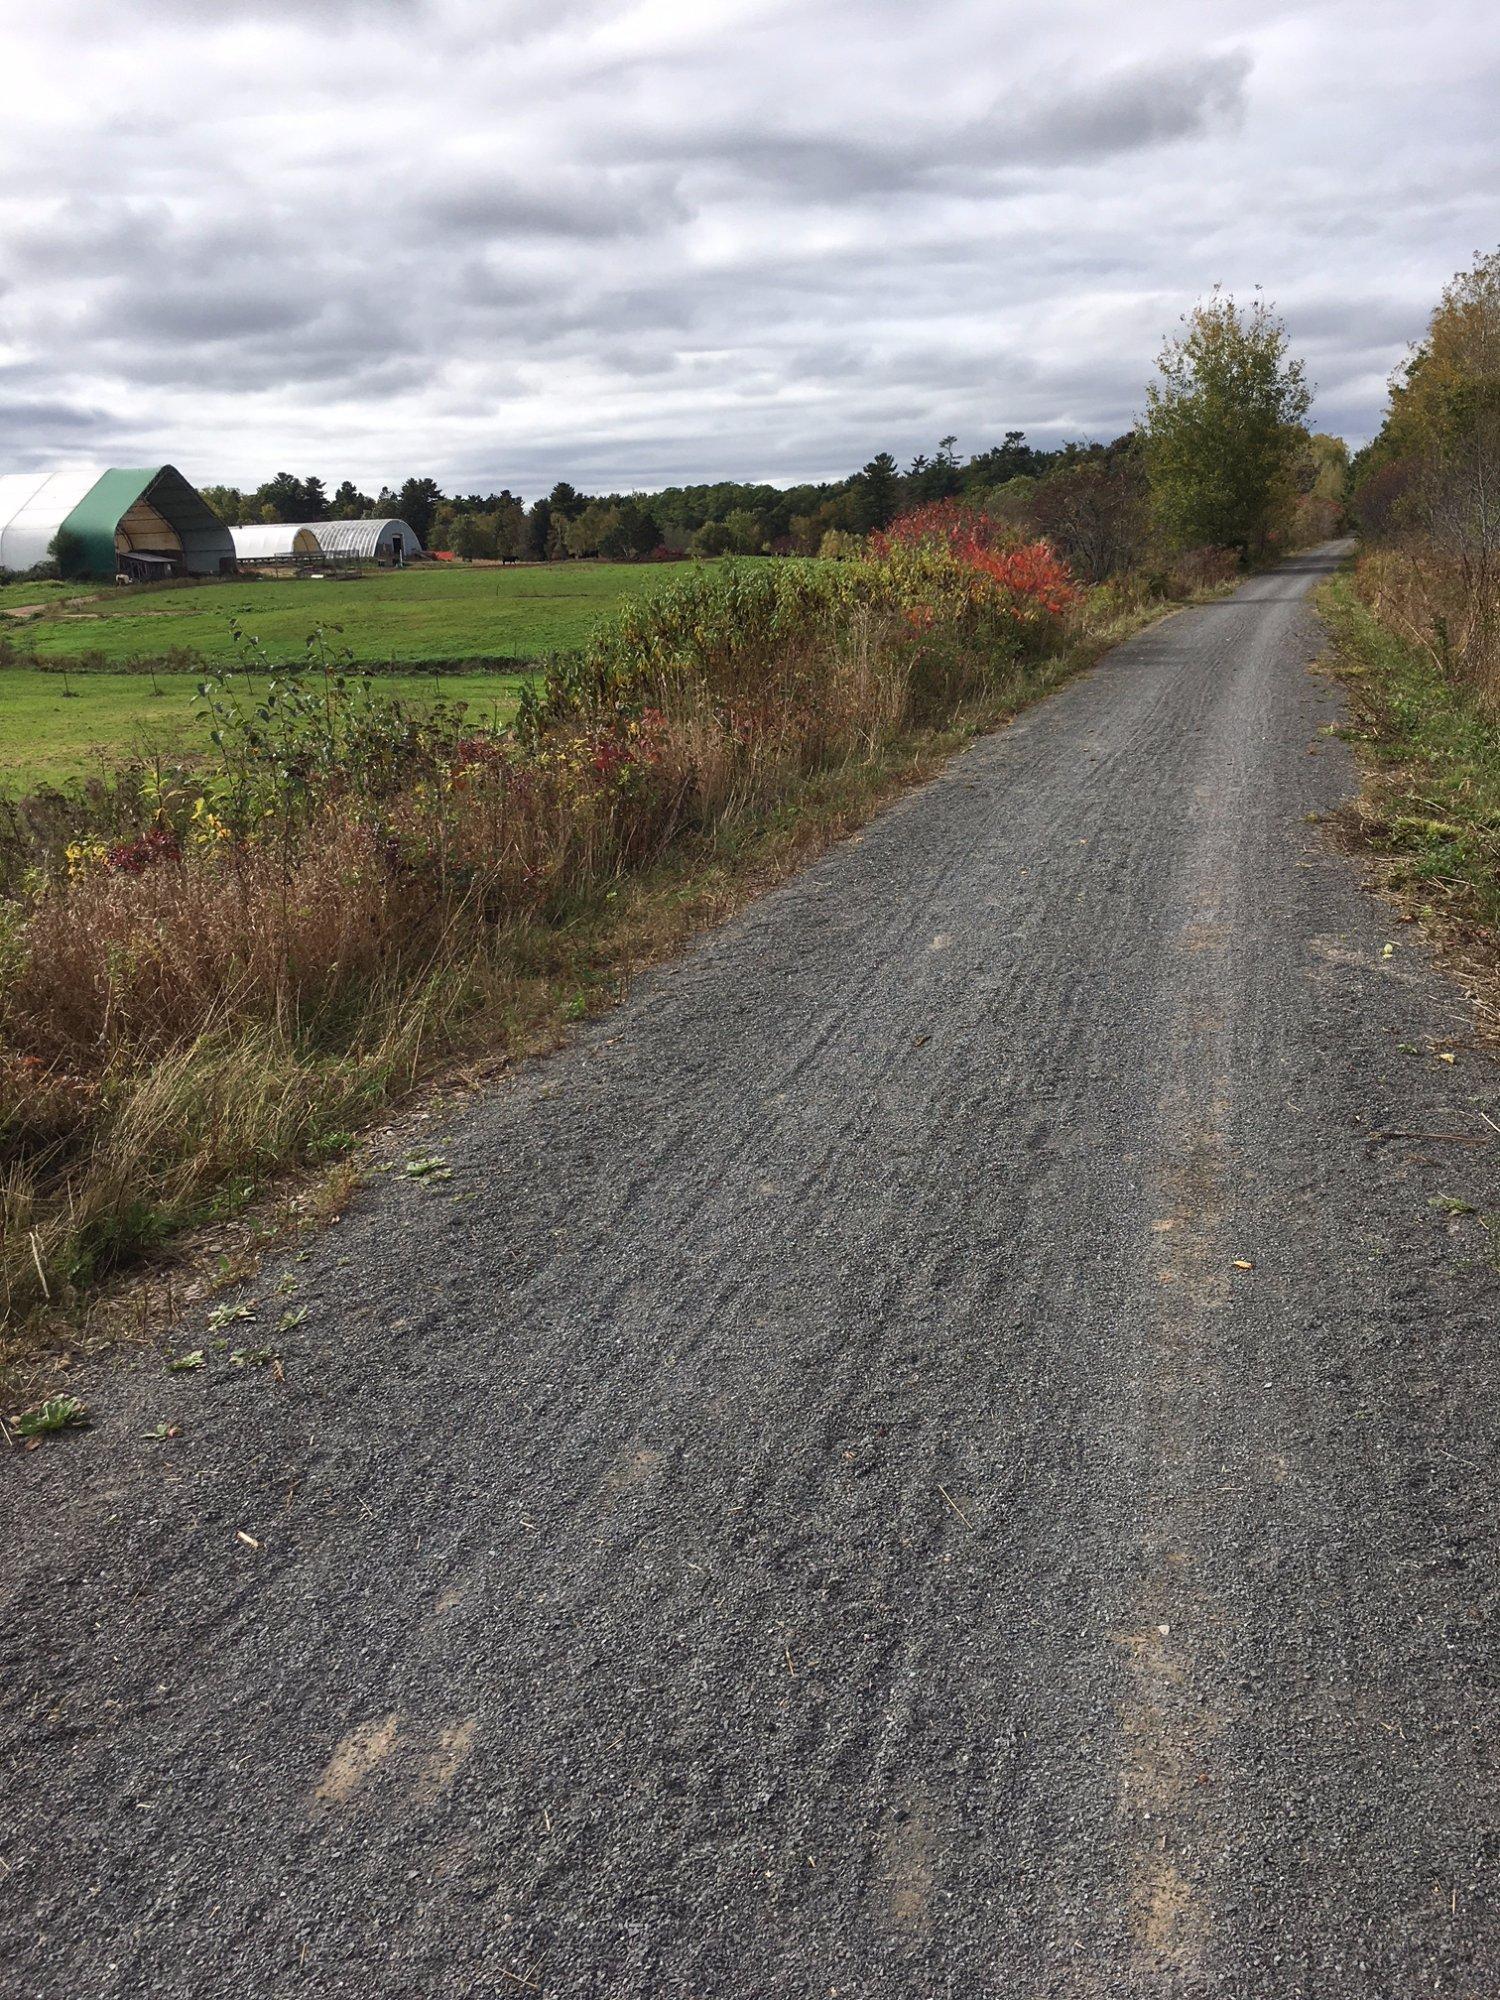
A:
(390, 542)
(143, 522)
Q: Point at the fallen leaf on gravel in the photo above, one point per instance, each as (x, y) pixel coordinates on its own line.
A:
(1446, 1055)
(183, 1362)
(1389, 952)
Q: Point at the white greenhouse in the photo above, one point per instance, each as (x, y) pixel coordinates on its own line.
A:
(275, 542)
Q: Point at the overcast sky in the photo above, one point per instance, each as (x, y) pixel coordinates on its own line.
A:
(509, 241)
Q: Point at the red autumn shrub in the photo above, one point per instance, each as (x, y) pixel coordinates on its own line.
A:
(1031, 573)
(145, 850)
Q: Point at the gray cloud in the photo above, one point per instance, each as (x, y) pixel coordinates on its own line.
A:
(1138, 108)
(1128, 111)
(40, 420)
(189, 316)
(625, 242)
(585, 206)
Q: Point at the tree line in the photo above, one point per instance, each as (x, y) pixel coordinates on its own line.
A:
(1222, 459)
(1426, 490)
(725, 517)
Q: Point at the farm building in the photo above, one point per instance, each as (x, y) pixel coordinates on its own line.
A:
(275, 542)
(389, 542)
(140, 522)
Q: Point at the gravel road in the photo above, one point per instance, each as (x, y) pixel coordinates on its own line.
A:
(943, 1449)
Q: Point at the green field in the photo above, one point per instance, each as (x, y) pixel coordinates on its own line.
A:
(431, 613)
(53, 728)
(43, 591)
(47, 737)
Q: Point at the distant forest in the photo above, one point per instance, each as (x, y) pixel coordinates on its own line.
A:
(1093, 502)
(727, 517)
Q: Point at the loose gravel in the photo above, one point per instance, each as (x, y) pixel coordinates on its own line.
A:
(943, 1449)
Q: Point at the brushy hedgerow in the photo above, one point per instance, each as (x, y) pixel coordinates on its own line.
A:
(1432, 600)
(204, 985)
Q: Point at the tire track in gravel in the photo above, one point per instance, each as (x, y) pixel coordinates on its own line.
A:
(803, 1523)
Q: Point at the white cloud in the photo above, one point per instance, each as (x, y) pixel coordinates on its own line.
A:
(631, 243)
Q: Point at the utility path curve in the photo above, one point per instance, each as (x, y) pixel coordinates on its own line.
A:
(948, 1452)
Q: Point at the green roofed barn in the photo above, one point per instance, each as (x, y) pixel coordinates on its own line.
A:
(140, 522)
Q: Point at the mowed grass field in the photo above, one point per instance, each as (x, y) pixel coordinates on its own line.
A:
(53, 728)
(45, 590)
(48, 736)
(435, 612)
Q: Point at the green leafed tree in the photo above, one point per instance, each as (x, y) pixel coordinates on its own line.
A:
(227, 502)
(473, 537)
(1225, 427)
(67, 550)
(512, 532)
(712, 539)
(630, 531)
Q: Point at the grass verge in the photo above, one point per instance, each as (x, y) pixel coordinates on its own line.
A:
(1431, 803)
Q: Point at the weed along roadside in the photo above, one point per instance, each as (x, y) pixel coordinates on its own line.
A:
(350, 895)
(1416, 631)
(1429, 812)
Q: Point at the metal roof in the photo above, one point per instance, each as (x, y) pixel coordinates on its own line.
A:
(362, 538)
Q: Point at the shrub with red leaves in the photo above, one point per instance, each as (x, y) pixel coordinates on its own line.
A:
(1030, 572)
(470, 750)
(134, 857)
(949, 524)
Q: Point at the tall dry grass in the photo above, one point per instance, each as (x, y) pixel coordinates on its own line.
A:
(245, 975)
(1443, 605)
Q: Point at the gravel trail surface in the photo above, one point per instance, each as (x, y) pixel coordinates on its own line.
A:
(943, 1449)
